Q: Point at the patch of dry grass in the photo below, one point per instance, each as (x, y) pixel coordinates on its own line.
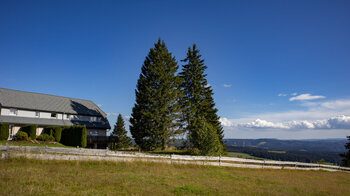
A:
(36, 177)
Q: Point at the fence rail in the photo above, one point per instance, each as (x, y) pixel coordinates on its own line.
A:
(100, 154)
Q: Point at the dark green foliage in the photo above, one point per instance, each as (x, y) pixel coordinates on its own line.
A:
(199, 113)
(74, 136)
(203, 136)
(123, 141)
(54, 131)
(346, 156)
(4, 131)
(57, 134)
(48, 130)
(156, 111)
(45, 137)
(30, 130)
(21, 136)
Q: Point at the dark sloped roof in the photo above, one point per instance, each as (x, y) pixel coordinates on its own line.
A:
(51, 103)
(53, 122)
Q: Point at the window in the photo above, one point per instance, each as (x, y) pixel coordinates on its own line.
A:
(93, 118)
(13, 112)
(53, 115)
(68, 116)
(94, 132)
(37, 114)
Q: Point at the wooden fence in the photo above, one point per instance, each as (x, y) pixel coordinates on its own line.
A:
(55, 153)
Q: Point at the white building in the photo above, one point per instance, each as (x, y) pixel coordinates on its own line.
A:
(20, 108)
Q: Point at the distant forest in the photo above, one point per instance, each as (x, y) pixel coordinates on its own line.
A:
(310, 151)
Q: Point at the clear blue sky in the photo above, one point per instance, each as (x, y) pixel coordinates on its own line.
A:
(258, 53)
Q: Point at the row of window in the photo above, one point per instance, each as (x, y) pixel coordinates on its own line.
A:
(14, 112)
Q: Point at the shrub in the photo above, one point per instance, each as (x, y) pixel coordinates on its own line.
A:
(21, 136)
(74, 136)
(48, 130)
(54, 131)
(57, 134)
(30, 130)
(4, 131)
(45, 137)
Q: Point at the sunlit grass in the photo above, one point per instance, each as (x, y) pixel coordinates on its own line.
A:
(14, 143)
(242, 155)
(37, 177)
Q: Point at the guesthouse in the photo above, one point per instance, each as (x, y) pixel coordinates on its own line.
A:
(18, 108)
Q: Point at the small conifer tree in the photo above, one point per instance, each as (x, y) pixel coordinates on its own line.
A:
(123, 141)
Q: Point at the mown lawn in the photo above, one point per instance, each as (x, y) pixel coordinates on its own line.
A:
(36, 177)
(14, 143)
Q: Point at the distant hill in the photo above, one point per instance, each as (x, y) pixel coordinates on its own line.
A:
(290, 150)
(321, 145)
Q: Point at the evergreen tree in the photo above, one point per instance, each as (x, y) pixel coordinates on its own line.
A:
(346, 160)
(156, 111)
(203, 136)
(197, 102)
(123, 141)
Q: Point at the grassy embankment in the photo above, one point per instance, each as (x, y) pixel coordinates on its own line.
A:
(35, 177)
(29, 143)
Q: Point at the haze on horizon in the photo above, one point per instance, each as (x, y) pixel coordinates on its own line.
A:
(279, 69)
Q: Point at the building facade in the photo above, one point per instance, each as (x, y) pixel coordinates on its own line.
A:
(20, 108)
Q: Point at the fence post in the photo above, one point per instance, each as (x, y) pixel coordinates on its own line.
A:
(107, 151)
(4, 155)
(220, 159)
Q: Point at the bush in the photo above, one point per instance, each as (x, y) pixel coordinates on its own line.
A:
(45, 137)
(74, 136)
(30, 130)
(21, 136)
(57, 134)
(48, 130)
(4, 131)
(54, 131)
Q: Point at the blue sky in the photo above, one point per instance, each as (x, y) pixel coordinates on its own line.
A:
(254, 50)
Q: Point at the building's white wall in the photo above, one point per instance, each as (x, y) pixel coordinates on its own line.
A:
(39, 130)
(65, 117)
(26, 113)
(59, 116)
(5, 111)
(45, 115)
(80, 118)
(31, 114)
(15, 129)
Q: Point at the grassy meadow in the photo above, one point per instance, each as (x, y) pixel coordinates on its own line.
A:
(37, 177)
(29, 143)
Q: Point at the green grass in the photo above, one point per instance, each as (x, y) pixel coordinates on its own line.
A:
(169, 152)
(36, 177)
(242, 155)
(13, 143)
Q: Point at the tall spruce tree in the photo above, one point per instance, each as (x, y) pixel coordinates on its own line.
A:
(199, 112)
(123, 141)
(154, 118)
